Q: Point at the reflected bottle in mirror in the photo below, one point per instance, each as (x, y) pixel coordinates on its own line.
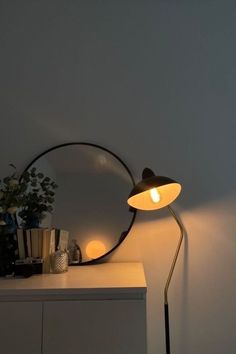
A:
(75, 254)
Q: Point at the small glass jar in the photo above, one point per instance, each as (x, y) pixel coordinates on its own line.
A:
(59, 262)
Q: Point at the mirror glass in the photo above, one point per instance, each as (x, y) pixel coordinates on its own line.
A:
(91, 198)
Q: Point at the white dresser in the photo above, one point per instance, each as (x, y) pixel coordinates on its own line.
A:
(96, 309)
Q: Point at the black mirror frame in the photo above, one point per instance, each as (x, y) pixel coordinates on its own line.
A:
(132, 210)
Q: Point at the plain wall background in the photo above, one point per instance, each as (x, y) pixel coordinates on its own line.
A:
(155, 82)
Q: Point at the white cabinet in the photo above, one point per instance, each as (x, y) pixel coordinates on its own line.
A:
(94, 327)
(98, 309)
(20, 327)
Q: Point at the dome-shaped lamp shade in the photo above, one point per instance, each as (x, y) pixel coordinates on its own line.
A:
(154, 192)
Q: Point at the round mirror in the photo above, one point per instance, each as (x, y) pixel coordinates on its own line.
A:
(90, 200)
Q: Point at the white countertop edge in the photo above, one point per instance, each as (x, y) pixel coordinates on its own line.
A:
(108, 280)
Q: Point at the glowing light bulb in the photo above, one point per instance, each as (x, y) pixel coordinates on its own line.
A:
(95, 249)
(155, 195)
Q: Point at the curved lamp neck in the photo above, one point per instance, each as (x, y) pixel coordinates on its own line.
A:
(179, 223)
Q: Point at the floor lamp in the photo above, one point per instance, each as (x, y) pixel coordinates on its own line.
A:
(156, 192)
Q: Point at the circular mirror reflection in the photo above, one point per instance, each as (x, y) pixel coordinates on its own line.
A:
(91, 198)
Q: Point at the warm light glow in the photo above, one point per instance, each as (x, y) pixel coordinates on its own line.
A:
(102, 160)
(95, 249)
(155, 195)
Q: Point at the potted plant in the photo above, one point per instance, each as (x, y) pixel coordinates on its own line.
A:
(32, 196)
(11, 196)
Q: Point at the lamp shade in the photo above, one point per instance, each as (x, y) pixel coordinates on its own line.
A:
(153, 192)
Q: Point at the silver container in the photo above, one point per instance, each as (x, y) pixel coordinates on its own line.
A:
(59, 261)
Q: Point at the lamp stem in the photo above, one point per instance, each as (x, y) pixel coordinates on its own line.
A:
(166, 308)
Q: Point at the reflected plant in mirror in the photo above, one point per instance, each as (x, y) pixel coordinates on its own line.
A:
(38, 198)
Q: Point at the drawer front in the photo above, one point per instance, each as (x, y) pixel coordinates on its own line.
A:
(95, 327)
(20, 327)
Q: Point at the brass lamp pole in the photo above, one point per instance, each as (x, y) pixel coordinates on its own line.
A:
(156, 192)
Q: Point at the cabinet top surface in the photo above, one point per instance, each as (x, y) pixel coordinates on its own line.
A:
(93, 280)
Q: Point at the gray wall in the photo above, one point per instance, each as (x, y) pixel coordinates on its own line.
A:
(154, 81)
